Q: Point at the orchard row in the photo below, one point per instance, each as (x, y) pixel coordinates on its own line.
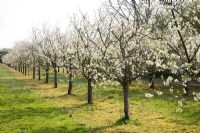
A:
(126, 41)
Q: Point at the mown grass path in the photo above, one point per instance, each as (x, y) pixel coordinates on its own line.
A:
(23, 110)
(28, 105)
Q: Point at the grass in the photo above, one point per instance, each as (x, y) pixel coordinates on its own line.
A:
(23, 110)
(31, 106)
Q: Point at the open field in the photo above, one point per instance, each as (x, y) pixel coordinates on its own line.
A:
(27, 105)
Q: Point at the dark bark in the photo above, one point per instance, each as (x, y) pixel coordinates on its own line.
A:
(63, 70)
(25, 69)
(125, 93)
(151, 73)
(28, 70)
(151, 81)
(47, 73)
(47, 76)
(186, 89)
(39, 73)
(125, 85)
(21, 69)
(55, 78)
(90, 101)
(34, 71)
(181, 37)
(58, 69)
(70, 84)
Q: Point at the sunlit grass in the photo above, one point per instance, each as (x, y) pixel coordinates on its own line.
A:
(22, 109)
(39, 107)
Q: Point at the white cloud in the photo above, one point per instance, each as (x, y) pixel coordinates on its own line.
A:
(17, 17)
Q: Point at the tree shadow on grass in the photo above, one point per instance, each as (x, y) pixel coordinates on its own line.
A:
(14, 114)
(60, 96)
(61, 130)
(47, 112)
(10, 82)
(121, 121)
(102, 128)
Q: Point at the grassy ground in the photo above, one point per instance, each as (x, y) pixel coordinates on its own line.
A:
(31, 106)
(22, 109)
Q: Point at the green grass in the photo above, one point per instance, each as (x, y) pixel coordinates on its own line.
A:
(23, 110)
(32, 106)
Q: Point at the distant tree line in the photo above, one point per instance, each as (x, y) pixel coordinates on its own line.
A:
(3, 52)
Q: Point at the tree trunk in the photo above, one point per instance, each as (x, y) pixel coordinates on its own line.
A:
(58, 69)
(47, 73)
(28, 70)
(63, 70)
(47, 76)
(25, 69)
(55, 78)
(39, 73)
(151, 71)
(151, 81)
(126, 107)
(20, 70)
(70, 84)
(34, 71)
(186, 89)
(90, 91)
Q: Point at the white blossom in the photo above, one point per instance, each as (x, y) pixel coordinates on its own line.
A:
(159, 93)
(149, 95)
